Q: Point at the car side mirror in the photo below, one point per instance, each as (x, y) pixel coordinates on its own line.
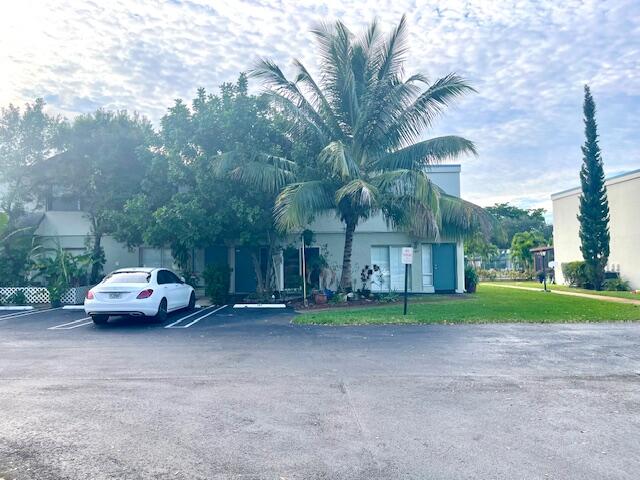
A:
(183, 280)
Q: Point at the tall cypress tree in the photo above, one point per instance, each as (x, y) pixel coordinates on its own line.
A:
(594, 206)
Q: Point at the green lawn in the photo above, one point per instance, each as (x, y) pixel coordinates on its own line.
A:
(633, 296)
(490, 305)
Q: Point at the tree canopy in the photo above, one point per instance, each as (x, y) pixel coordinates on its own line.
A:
(367, 119)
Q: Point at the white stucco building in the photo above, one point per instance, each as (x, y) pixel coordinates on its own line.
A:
(438, 266)
(623, 192)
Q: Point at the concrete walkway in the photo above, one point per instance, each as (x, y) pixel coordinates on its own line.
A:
(604, 298)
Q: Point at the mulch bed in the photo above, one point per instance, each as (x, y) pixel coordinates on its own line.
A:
(299, 306)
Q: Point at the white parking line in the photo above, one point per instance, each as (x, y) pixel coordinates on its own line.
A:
(65, 326)
(30, 312)
(186, 316)
(194, 321)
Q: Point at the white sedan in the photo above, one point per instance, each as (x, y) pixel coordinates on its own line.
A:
(140, 292)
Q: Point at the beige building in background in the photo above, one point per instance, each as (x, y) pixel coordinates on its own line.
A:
(623, 192)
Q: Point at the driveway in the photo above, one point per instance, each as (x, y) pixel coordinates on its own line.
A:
(247, 395)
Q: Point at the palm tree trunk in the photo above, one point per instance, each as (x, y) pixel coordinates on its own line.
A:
(345, 278)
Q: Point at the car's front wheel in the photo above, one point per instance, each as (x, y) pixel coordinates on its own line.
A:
(161, 316)
(192, 301)
(100, 319)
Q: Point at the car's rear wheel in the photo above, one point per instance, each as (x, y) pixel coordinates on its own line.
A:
(100, 319)
(192, 301)
(161, 316)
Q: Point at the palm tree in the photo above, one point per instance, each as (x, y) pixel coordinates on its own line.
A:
(367, 119)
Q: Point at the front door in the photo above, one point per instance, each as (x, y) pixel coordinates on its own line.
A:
(245, 274)
(444, 267)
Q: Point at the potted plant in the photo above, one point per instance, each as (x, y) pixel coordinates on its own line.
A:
(319, 297)
(470, 279)
(55, 294)
(366, 275)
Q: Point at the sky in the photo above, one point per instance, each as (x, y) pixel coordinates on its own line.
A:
(528, 61)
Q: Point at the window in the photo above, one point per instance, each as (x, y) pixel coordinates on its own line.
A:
(127, 277)
(173, 278)
(293, 266)
(164, 277)
(156, 257)
(63, 204)
(427, 267)
(390, 273)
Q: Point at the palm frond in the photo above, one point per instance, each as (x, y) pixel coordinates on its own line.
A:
(462, 219)
(428, 152)
(392, 54)
(319, 101)
(338, 159)
(412, 184)
(298, 203)
(421, 113)
(274, 78)
(359, 194)
(264, 172)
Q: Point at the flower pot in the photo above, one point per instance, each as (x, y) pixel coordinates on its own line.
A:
(319, 298)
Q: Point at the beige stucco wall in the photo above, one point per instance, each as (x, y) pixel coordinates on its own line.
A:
(69, 230)
(329, 236)
(624, 226)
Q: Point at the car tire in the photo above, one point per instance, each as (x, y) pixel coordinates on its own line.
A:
(192, 301)
(100, 319)
(161, 316)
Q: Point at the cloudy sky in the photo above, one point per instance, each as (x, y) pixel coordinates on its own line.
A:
(527, 59)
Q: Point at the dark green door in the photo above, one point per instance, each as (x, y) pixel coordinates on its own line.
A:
(245, 273)
(444, 267)
(216, 255)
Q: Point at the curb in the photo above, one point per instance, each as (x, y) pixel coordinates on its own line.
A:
(259, 305)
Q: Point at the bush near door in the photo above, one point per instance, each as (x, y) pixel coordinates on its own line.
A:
(217, 279)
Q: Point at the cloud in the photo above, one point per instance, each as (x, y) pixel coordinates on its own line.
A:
(528, 60)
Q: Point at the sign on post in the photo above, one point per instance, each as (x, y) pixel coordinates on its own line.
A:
(407, 259)
(407, 255)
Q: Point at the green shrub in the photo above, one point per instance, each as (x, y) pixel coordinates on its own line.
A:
(471, 279)
(389, 297)
(575, 274)
(489, 275)
(217, 279)
(616, 285)
(17, 298)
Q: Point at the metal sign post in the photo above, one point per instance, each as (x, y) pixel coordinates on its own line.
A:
(407, 259)
(304, 273)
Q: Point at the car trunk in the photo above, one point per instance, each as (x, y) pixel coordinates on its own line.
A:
(119, 292)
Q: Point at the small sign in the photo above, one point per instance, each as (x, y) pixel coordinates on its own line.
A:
(407, 255)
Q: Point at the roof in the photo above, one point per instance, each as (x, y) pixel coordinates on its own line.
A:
(541, 249)
(621, 177)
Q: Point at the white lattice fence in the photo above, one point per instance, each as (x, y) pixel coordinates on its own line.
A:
(36, 295)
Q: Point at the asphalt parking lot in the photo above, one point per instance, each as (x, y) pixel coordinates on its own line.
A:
(226, 393)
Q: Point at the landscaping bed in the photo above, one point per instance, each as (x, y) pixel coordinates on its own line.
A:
(372, 303)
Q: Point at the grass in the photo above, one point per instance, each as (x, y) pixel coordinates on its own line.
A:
(489, 305)
(564, 288)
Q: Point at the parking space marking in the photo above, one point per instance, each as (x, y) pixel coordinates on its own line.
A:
(173, 325)
(30, 312)
(65, 326)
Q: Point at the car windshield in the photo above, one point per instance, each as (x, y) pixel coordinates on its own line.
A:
(127, 277)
